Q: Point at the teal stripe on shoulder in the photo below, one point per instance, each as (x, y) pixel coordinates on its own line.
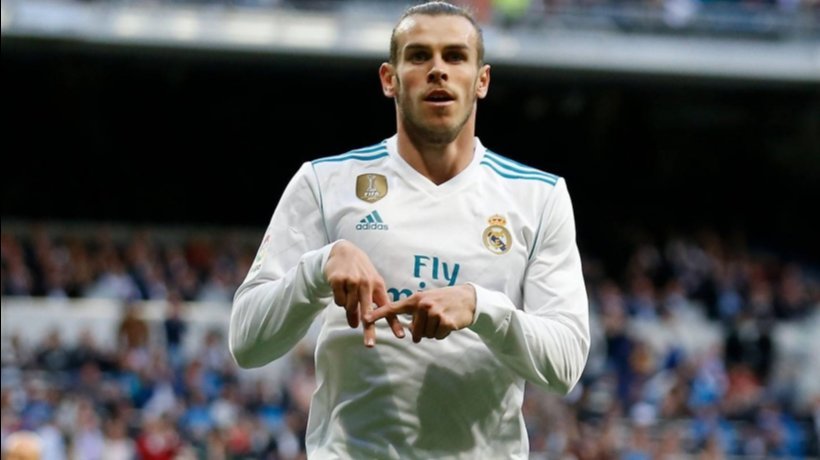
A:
(507, 174)
(515, 167)
(361, 156)
(372, 148)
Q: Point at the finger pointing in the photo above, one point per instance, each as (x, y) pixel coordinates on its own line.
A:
(365, 305)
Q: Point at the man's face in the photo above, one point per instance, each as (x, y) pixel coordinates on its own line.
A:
(436, 79)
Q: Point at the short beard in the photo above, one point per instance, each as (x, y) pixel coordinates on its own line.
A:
(427, 135)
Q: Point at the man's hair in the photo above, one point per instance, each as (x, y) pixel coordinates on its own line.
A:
(436, 9)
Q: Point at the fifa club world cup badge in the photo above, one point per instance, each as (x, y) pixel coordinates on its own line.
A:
(496, 237)
(371, 187)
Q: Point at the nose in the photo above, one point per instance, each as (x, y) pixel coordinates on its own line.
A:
(437, 72)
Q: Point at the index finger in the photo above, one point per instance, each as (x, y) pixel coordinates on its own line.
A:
(402, 306)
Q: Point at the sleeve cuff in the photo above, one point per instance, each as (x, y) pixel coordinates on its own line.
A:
(493, 311)
(314, 263)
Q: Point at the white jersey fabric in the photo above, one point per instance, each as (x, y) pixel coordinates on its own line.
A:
(506, 228)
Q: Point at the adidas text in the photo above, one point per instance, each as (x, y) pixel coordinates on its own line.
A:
(371, 226)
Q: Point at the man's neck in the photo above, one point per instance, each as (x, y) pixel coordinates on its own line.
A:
(437, 162)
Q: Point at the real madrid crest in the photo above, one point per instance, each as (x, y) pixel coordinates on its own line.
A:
(496, 237)
(371, 187)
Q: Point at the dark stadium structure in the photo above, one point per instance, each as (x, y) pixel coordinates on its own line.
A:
(187, 136)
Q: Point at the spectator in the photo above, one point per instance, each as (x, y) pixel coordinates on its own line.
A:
(22, 445)
(133, 329)
(175, 328)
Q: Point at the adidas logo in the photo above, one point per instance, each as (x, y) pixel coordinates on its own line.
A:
(372, 221)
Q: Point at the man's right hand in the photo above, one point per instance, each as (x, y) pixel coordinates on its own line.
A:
(357, 286)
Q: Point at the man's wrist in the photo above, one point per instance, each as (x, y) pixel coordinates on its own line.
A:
(492, 311)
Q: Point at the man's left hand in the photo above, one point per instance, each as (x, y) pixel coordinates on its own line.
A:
(436, 313)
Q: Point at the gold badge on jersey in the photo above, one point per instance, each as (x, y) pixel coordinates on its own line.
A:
(371, 187)
(496, 237)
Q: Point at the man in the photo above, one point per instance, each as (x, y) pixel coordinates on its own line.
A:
(470, 252)
(22, 445)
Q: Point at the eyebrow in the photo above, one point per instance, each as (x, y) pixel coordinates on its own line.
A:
(414, 46)
(419, 46)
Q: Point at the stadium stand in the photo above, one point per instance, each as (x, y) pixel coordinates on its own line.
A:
(749, 40)
(114, 343)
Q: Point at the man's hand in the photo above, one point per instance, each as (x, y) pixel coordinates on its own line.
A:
(357, 286)
(436, 312)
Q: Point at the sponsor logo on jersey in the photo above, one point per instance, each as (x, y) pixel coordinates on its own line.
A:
(371, 187)
(496, 237)
(372, 221)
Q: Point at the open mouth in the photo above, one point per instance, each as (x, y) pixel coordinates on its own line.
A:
(439, 96)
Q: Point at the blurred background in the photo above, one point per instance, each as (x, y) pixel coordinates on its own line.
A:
(147, 143)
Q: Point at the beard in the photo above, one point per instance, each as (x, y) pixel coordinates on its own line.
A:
(425, 132)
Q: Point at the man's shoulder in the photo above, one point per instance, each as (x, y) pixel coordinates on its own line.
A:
(514, 173)
(364, 154)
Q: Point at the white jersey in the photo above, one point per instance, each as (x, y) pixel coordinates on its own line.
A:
(506, 228)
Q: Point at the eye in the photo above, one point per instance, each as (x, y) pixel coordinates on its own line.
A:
(455, 56)
(418, 57)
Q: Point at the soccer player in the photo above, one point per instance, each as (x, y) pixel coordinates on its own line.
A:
(427, 232)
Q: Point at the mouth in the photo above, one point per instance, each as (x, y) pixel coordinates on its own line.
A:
(439, 97)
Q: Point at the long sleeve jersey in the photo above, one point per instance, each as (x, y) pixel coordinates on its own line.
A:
(505, 228)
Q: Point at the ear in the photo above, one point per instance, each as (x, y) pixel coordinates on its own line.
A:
(387, 74)
(483, 84)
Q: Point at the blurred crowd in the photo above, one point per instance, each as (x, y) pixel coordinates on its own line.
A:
(761, 18)
(756, 18)
(107, 263)
(712, 17)
(688, 361)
